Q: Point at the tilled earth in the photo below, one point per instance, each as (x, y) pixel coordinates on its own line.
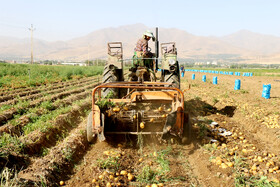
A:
(234, 141)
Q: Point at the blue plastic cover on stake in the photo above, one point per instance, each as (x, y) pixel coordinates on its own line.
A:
(182, 74)
(266, 91)
(237, 73)
(204, 78)
(215, 80)
(237, 84)
(193, 76)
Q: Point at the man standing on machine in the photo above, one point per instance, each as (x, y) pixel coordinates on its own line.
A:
(142, 51)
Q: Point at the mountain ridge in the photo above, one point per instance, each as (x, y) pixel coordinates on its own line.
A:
(241, 44)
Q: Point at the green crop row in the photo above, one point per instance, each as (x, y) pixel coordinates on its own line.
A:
(20, 75)
(43, 122)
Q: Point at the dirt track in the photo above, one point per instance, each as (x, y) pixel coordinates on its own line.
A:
(238, 159)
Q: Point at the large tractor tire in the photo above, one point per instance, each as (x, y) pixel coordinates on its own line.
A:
(173, 79)
(109, 75)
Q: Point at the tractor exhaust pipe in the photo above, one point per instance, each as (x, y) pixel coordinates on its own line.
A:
(156, 48)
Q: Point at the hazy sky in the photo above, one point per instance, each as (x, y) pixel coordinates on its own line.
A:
(67, 19)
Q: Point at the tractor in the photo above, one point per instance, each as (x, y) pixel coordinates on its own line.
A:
(143, 104)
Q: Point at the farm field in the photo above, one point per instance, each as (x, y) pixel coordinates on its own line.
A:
(43, 138)
(13, 76)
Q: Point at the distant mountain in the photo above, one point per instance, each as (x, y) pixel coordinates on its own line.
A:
(262, 44)
(187, 44)
(94, 45)
(190, 45)
(21, 48)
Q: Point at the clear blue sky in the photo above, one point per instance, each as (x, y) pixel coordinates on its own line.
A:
(67, 19)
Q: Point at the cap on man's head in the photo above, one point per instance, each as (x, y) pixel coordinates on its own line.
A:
(149, 34)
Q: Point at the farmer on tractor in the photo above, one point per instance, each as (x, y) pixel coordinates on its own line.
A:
(142, 52)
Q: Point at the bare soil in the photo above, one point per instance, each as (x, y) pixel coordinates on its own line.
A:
(248, 156)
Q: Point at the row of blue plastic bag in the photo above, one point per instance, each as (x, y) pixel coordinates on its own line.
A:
(221, 72)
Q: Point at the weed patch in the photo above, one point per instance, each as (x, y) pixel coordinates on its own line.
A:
(110, 163)
(9, 143)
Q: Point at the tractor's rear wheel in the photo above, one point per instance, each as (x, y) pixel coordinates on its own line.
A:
(173, 79)
(90, 135)
(109, 75)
